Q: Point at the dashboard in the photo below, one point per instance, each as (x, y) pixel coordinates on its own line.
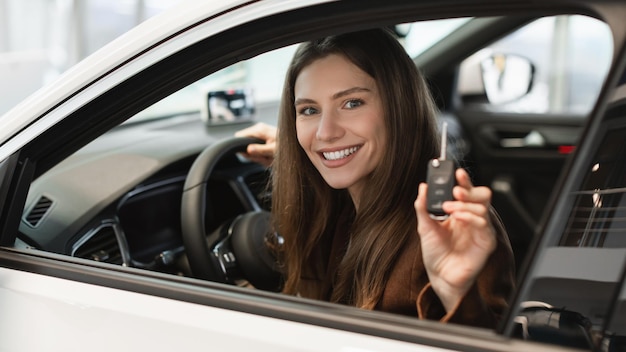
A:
(118, 199)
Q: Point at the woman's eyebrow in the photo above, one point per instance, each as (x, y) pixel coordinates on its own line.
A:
(335, 96)
(350, 91)
(303, 101)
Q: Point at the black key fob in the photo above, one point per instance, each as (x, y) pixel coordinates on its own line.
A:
(441, 180)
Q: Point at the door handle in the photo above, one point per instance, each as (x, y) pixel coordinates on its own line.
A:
(533, 139)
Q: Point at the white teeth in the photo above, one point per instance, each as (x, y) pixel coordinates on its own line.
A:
(340, 154)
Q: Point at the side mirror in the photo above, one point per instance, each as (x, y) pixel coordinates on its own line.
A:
(495, 78)
(506, 77)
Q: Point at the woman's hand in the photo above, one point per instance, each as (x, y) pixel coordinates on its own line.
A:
(260, 153)
(456, 249)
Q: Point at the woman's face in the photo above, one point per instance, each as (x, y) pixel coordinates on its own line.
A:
(340, 122)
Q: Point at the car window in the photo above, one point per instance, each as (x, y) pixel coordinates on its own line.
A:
(243, 91)
(570, 56)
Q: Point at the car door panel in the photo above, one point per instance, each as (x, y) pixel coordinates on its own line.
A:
(520, 157)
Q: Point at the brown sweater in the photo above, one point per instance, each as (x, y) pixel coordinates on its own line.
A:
(408, 290)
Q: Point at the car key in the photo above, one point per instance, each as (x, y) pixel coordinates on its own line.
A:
(440, 180)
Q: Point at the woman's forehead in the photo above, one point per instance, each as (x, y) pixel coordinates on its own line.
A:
(332, 73)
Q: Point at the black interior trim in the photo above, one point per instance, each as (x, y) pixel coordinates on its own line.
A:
(19, 178)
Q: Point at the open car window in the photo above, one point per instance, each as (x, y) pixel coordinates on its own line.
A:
(129, 181)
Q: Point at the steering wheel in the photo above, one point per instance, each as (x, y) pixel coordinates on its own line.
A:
(238, 249)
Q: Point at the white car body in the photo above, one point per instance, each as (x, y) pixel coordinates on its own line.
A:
(69, 316)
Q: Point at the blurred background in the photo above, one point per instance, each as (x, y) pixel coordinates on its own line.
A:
(39, 39)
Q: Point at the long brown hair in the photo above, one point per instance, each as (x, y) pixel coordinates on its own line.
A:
(309, 214)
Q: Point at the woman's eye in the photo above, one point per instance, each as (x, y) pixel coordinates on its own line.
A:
(308, 111)
(353, 103)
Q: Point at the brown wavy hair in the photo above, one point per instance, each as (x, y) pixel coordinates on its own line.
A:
(309, 214)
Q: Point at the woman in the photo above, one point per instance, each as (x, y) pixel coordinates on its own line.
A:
(355, 133)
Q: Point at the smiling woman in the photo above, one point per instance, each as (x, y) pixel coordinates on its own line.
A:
(345, 134)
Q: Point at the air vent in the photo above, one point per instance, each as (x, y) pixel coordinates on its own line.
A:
(102, 246)
(38, 211)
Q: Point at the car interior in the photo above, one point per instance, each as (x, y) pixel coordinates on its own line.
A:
(161, 186)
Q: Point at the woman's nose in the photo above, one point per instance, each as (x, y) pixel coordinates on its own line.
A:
(329, 128)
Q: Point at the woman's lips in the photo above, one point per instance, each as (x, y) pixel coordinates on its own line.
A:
(338, 157)
(340, 154)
